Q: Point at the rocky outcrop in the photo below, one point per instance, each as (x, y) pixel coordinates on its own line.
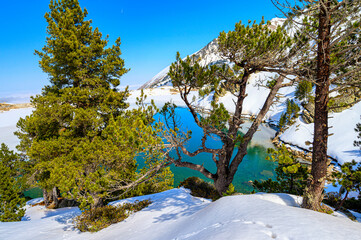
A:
(308, 112)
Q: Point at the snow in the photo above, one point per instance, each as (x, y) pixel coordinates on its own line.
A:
(175, 214)
(8, 122)
(340, 143)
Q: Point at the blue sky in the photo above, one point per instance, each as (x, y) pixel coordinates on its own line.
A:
(151, 32)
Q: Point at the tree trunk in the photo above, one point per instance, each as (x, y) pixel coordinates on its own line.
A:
(46, 198)
(314, 192)
(222, 184)
(341, 203)
(98, 202)
(56, 197)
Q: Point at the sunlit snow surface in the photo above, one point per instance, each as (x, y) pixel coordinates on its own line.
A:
(8, 120)
(176, 215)
(342, 134)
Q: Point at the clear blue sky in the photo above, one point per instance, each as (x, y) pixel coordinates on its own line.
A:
(151, 32)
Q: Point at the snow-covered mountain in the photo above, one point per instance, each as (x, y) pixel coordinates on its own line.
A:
(208, 55)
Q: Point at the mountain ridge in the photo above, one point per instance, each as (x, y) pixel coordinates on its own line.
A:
(208, 55)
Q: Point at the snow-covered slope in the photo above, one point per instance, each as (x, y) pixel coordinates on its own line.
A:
(175, 214)
(208, 55)
(342, 134)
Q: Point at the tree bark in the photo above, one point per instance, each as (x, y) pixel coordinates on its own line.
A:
(343, 200)
(56, 197)
(314, 192)
(98, 202)
(46, 198)
(222, 183)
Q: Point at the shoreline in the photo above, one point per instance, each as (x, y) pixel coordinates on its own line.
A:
(4, 107)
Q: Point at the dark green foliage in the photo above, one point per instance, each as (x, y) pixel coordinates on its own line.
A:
(287, 118)
(353, 204)
(258, 42)
(81, 138)
(358, 130)
(303, 90)
(11, 186)
(96, 219)
(349, 178)
(200, 188)
(291, 175)
(334, 199)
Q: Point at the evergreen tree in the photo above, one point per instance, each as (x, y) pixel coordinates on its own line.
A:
(250, 48)
(291, 113)
(303, 90)
(349, 178)
(291, 175)
(331, 58)
(81, 140)
(358, 130)
(11, 202)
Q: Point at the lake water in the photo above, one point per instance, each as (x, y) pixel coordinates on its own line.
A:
(253, 167)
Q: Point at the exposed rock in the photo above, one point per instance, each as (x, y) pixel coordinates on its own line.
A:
(345, 100)
(308, 113)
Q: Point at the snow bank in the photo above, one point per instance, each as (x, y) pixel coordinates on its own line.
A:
(175, 214)
(8, 120)
(340, 143)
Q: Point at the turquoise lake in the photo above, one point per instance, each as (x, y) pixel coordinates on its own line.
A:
(253, 167)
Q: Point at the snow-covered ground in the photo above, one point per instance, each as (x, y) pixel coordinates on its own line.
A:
(177, 215)
(342, 134)
(8, 120)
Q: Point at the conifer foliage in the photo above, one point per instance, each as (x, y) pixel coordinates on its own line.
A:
(289, 116)
(250, 49)
(80, 138)
(291, 175)
(11, 202)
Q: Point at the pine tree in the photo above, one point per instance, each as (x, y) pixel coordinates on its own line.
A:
(330, 60)
(81, 140)
(250, 48)
(303, 90)
(358, 130)
(349, 178)
(11, 202)
(291, 176)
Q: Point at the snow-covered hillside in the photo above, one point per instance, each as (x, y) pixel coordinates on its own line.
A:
(208, 55)
(175, 214)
